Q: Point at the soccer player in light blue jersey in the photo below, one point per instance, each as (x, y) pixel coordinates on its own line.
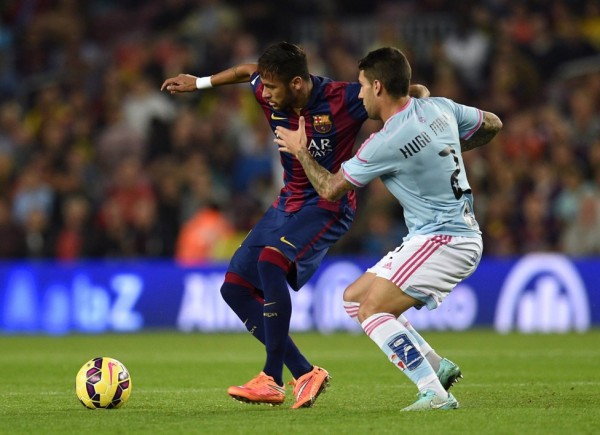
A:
(418, 156)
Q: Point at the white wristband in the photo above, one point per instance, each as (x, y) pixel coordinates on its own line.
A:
(203, 83)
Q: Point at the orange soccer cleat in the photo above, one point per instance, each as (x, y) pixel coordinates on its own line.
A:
(308, 387)
(261, 389)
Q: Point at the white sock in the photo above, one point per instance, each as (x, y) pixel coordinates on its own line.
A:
(426, 349)
(402, 349)
(352, 310)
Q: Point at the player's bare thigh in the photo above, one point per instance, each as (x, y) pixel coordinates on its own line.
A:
(357, 291)
(384, 296)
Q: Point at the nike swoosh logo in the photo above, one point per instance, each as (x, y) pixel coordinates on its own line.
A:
(301, 389)
(283, 239)
(277, 118)
(277, 389)
(269, 303)
(434, 406)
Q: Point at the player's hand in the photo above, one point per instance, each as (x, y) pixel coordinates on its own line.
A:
(181, 83)
(291, 141)
(418, 91)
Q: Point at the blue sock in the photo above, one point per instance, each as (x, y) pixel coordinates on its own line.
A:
(247, 303)
(277, 309)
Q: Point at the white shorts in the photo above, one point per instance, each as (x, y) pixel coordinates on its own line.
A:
(429, 267)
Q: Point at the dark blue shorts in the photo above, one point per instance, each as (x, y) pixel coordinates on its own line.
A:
(304, 238)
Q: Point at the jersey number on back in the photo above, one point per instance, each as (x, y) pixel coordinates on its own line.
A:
(458, 192)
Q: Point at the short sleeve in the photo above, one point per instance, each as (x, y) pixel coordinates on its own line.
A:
(373, 160)
(468, 118)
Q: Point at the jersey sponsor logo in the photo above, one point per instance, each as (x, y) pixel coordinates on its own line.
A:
(322, 123)
(543, 293)
(319, 147)
(277, 118)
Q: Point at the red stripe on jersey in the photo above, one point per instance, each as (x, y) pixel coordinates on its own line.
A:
(317, 237)
(346, 131)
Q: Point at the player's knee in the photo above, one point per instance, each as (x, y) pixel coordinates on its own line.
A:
(229, 292)
(233, 287)
(358, 290)
(364, 312)
(352, 294)
(368, 307)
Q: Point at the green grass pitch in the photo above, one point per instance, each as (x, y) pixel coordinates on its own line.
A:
(513, 384)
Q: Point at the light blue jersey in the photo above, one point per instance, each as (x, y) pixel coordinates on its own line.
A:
(418, 157)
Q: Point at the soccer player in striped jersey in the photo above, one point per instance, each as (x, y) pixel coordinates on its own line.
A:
(417, 155)
(287, 245)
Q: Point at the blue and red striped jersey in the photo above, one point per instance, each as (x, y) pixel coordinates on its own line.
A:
(334, 116)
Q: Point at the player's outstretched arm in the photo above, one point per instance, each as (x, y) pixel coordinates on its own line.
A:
(188, 83)
(329, 186)
(490, 126)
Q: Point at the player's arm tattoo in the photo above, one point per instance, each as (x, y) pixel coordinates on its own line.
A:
(490, 126)
(329, 186)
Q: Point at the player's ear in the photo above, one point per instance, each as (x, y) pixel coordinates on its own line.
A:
(377, 87)
(296, 83)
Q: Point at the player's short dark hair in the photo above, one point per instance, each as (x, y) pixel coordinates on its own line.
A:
(390, 66)
(283, 61)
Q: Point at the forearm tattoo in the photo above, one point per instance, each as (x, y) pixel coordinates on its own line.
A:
(322, 180)
(479, 138)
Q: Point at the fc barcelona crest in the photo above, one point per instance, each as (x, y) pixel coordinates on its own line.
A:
(322, 123)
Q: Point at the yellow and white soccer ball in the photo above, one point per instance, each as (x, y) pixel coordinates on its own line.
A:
(104, 383)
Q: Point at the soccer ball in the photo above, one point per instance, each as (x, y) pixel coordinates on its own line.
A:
(103, 382)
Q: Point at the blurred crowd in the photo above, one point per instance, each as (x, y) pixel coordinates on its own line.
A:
(96, 162)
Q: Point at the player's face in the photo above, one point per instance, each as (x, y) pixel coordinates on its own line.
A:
(367, 96)
(278, 94)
